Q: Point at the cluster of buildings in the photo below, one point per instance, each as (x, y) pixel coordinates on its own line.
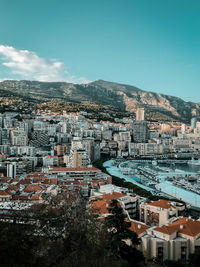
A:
(73, 140)
(44, 155)
(36, 187)
(164, 231)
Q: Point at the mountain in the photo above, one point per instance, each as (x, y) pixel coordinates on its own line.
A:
(120, 96)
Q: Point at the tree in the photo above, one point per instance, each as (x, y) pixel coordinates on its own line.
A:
(194, 259)
(65, 233)
(171, 263)
(17, 245)
(120, 235)
(71, 235)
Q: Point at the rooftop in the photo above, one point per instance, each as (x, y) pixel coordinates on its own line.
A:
(185, 226)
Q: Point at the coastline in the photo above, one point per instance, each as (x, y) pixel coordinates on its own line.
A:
(165, 187)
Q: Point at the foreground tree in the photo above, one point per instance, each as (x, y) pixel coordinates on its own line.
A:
(122, 240)
(62, 233)
(194, 259)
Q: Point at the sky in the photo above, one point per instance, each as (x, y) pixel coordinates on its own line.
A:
(151, 44)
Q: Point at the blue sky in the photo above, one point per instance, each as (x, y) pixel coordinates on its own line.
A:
(152, 44)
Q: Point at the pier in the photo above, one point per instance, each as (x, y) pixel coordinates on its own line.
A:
(165, 161)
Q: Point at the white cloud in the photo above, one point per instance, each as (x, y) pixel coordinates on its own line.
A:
(28, 65)
(4, 79)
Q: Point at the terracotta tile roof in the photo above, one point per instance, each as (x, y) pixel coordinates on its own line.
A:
(102, 203)
(53, 181)
(45, 182)
(13, 187)
(5, 179)
(25, 181)
(32, 188)
(83, 183)
(73, 169)
(183, 225)
(35, 174)
(110, 197)
(36, 196)
(138, 227)
(166, 229)
(21, 197)
(100, 207)
(39, 178)
(72, 182)
(4, 193)
(15, 180)
(190, 227)
(161, 203)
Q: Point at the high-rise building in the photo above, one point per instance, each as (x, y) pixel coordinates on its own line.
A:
(183, 128)
(198, 126)
(79, 158)
(140, 132)
(19, 138)
(193, 123)
(88, 144)
(11, 170)
(140, 114)
(39, 138)
(38, 126)
(4, 136)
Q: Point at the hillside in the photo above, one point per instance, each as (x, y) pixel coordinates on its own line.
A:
(120, 96)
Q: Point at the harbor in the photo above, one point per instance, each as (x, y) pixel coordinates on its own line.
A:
(178, 179)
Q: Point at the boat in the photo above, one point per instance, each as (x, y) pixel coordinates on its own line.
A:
(191, 179)
(154, 162)
(194, 162)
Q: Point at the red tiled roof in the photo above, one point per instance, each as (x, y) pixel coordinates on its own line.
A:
(35, 174)
(5, 179)
(36, 196)
(13, 187)
(101, 206)
(73, 169)
(138, 227)
(21, 197)
(32, 188)
(25, 181)
(161, 203)
(53, 181)
(184, 226)
(166, 229)
(190, 227)
(39, 178)
(83, 183)
(4, 193)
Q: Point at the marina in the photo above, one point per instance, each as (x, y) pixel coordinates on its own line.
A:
(177, 179)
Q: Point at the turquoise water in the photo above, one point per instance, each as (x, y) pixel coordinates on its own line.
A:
(137, 179)
(173, 167)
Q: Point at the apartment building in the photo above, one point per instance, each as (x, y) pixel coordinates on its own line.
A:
(127, 201)
(161, 212)
(173, 242)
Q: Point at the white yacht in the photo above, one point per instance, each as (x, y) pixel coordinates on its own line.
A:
(194, 162)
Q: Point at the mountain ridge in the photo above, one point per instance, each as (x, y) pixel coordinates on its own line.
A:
(117, 95)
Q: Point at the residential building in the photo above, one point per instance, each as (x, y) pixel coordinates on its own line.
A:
(140, 114)
(160, 212)
(173, 242)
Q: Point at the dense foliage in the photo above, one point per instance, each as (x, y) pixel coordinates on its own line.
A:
(62, 233)
(122, 240)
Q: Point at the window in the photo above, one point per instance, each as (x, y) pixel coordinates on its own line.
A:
(160, 253)
(183, 253)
